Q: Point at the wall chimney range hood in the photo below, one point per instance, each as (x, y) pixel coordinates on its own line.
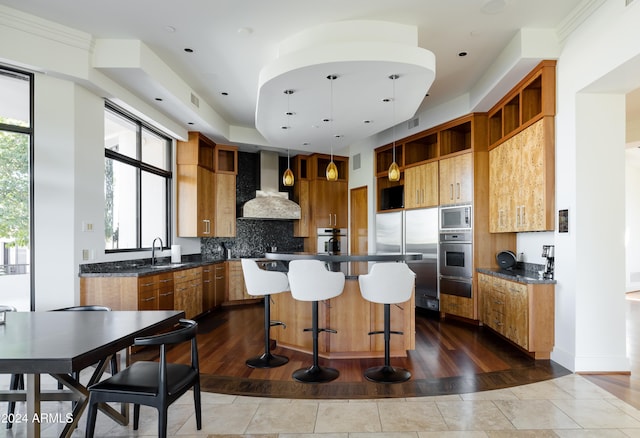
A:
(269, 203)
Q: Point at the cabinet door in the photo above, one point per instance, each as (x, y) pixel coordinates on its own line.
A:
(236, 287)
(429, 183)
(503, 183)
(532, 188)
(165, 291)
(455, 305)
(208, 288)
(188, 291)
(329, 203)
(225, 205)
(220, 284)
(456, 179)
(412, 187)
(517, 322)
(301, 195)
(148, 293)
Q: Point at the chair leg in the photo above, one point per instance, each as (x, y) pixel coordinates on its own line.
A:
(162, 422)
(16, 384)
(387, 373)
(315, 373)
(267, 360)
(91, 418)
(136, 416)
(198, 405)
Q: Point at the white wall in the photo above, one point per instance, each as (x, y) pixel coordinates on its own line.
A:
(632, 216)
(590, 125)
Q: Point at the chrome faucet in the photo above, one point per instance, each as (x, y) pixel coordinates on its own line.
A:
(153, 250)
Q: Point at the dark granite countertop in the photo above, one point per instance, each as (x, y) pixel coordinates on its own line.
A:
(517, 275)
(141, 267)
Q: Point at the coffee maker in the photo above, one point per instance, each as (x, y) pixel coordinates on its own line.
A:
(548, 253)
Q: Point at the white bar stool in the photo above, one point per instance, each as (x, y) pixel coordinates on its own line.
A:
(387, 283)
(260, 282)
(311, 281)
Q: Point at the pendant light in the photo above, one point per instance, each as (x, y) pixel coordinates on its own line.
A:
(394, 170)
(332, 170)
(287, 177)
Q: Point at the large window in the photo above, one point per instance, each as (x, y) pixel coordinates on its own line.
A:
(16, 133)
(137, 184)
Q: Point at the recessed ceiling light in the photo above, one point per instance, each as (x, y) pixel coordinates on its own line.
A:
(245, 30)
(285, 127)
(367, 121)
(190, 123)
(387, 99)
(224, 93)
(462, 54)
(188, 50)
(159, 99)
(170, 29)
(289, 113)
(493, 6)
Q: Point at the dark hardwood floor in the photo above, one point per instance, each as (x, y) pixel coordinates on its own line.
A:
(450, 358)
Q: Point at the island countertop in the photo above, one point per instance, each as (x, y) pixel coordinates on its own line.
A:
(344, 257)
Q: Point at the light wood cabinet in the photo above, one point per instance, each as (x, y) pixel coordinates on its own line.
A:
(421, 186)
(206, 188)
(225, 205)
(456, 179)
(155, 292)
(236, 288)
(188, 291)
(220, 278)
(522, 313)
(521, 181)
(329, 204)
(458, 306)
(302, 226)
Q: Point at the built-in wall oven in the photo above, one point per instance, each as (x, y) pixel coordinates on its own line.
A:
(455, 263)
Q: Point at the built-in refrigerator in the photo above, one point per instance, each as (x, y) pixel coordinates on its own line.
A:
(414, 231)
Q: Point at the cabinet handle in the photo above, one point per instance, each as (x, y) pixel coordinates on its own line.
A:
(165, 281)
(451, 191)
(166, 294)
(147, 284)
(219, 278)
(144, 300)
(523, 213)
(207, 226)
(417, 196)
(335, 219)
(458, 186)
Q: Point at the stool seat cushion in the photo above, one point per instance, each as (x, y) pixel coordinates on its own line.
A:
(310, 280)
(387, 283)
(260, 282)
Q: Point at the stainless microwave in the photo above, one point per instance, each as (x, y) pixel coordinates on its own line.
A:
(456, 217)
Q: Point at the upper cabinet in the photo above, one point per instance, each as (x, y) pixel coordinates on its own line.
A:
(533, 98)
(522, 155)
(206, 188)
(437, 165)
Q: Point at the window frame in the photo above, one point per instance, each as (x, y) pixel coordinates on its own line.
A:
(140, 167)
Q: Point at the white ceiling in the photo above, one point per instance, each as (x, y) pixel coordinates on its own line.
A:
(233, 40)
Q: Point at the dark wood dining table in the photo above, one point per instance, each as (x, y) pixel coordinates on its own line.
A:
(64, 343)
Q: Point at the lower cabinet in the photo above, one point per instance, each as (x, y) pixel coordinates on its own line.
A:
(236, 289)
(522, 313)
(455, 305)
(188, 291)
(214, 286)
(155, 292)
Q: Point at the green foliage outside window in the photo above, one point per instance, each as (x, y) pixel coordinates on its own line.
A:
(14, 186)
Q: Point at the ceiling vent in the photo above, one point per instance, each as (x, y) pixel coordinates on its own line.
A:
(413, 123)
(195, 100)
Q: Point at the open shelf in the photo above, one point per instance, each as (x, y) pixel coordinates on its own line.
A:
(529, 101)
(455, 139)
(384, 158)
(421, 149)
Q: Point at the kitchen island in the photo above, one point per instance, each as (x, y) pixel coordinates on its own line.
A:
(349, 314)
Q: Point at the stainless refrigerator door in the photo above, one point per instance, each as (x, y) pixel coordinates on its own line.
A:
(389, 232)
(421, 236)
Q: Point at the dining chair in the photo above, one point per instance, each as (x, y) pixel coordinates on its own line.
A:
(155, 384)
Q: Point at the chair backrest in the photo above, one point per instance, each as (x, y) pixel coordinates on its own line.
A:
(387, 283)
(84, 309)
(261, 282)
(186, 331)
(310, 280)
(4, 308)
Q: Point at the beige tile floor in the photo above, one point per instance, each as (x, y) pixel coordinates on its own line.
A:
(566, 407)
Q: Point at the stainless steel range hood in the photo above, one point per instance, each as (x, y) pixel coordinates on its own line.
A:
(269, 203)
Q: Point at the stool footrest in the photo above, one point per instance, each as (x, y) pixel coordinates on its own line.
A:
(381, 332)
(275, 323)
(321, 330)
